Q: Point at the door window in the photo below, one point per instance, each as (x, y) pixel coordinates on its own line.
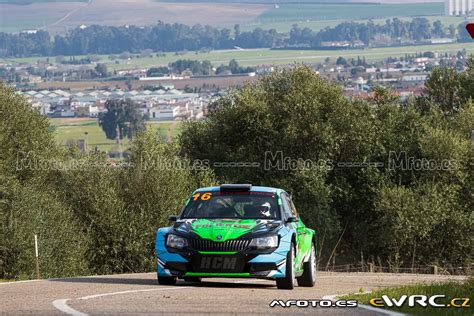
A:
(286, 205)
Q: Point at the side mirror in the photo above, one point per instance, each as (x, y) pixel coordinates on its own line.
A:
(292, 219)
(173, 218)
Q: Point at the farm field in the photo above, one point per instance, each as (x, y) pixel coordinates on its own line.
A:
(66, 15)
(14, 17)
(254, 57)
(348, 11)
(71, 13)
(69, 129)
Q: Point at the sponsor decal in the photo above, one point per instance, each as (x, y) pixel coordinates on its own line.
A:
(313, 303)
(218, 263)
(222, 225)
(438, 301)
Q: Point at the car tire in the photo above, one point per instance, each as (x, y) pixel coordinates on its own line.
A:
(288, 282)
(192, 279)
(166, 280)
(308, 278)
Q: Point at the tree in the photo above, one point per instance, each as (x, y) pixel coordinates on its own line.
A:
(234, 66)
(157, 71)
(236, 30)
(29, 204)
(467, 80)
(420, 28)
(122, 116)
(442, 87)
(438, 29)
(383, 96)
(101, 69)
(341, 61)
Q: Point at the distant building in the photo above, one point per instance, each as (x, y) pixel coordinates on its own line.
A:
(163, 112)
(31, 31)
(458, 7)
(418, 78)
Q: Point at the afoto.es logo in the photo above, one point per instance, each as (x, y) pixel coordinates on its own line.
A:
(439, 301)
(313, 303)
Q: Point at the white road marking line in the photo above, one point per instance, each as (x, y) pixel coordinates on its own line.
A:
(132, 291)
(367, 307)
(61, 304)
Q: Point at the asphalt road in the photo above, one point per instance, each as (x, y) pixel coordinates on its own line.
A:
(140, 294)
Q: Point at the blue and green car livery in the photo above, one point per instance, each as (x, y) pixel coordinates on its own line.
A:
(237, 230)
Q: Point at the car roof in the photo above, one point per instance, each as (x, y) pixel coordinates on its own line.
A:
(252, 189)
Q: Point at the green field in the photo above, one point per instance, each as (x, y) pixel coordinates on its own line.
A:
(66, 130)
(451, 290)
(285, 26)
(11, 25)
(254, 57)
(348, 11)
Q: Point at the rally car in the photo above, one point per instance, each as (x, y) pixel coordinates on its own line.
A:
(237, 230)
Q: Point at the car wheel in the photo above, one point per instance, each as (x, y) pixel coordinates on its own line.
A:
(192, 279)
(308, 278)
(288, 282)
(166, 280)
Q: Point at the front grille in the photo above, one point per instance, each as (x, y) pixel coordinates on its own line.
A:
(229, 245)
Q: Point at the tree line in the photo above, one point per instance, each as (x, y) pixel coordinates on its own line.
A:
(166, 37)
(418, 29)
(380, 180)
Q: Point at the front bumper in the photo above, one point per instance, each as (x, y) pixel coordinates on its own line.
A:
(222, 264)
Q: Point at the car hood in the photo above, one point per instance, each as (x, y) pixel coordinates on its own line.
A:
(226, 229)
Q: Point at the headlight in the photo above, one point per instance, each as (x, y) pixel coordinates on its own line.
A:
(177, 242)
(264, 242)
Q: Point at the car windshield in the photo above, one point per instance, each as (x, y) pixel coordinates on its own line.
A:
(242, 205)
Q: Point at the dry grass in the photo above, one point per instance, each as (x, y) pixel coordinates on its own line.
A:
(121, 12)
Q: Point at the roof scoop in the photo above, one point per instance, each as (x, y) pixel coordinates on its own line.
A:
(235, 187)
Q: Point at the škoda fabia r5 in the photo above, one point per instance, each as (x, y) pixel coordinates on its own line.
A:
(237, 230)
